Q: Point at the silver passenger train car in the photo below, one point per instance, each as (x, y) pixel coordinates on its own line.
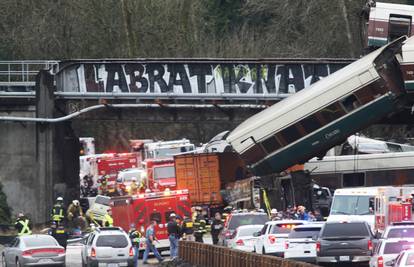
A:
(323, 115)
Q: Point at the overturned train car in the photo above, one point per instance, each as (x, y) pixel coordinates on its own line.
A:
(323, 115)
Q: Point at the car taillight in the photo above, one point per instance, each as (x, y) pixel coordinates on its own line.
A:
(318, 246)
(240, 242)
(227, 234)
(31, 252)
(93, 253)
(272, 239)
(286, 245)
(380, 261)
(131, 251)
(370, 246)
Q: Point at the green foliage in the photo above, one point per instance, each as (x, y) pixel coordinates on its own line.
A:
(222, 16)
(5, 211)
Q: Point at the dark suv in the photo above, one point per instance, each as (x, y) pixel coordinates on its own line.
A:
(345, 242)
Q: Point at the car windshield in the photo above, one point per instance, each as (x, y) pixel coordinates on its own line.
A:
(284, 228)
(308, 232)
(103, 200)
(164, 172)
(249, 231)
(114, 241)
(352, 205)
(247, 219)
(397, 247)
(39, 241)
(345, 229)
(400, 232)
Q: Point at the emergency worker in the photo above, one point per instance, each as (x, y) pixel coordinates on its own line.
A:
(58, 211)
(273, 215)
(59, 233)
(75, 214)
(103, 187)
(199, 226)
(23, 225)
(226, 211)
(135, 237)
(174, 233)
(120, 188)
(216, 227)
(187, 229)
(108, 221)
(133, 187)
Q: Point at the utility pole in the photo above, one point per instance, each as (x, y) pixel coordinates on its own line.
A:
(342, 5)
(129, 33)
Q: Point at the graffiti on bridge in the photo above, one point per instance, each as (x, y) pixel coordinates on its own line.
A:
(197, 78)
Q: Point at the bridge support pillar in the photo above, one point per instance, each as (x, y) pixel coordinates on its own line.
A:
(44, 147)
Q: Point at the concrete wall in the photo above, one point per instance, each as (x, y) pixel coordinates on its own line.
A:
(18, 162)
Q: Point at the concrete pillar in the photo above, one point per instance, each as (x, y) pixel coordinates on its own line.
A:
(44, 147)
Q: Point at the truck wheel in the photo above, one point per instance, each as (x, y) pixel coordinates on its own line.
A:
(263, 251)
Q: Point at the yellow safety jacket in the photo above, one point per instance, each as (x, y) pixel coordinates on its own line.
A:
(57, 213)
(107, 221)
(25, 230)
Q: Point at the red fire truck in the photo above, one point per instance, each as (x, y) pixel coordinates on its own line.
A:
(160, 174)
(111, 164)
(142, 208)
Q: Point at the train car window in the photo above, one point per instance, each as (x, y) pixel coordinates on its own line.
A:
(365, 95)
(353, 179)
(398, 26)
(350, 103)
(253, 154)
(310, 124)
(331, 112)
(291, 134)
(271, 144)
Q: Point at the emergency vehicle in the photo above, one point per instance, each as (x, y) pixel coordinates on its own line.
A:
(378, 206)
(167, 149)
(160, 174)
(142, 208)
(87, 146)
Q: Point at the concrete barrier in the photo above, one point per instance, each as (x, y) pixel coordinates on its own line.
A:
(207, 255)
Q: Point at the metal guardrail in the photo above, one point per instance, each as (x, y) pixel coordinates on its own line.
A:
(206, 255)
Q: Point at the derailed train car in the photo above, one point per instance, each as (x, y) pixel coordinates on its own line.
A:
(317, 118)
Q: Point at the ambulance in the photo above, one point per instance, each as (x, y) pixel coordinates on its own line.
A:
(141, 209)
(378, 206)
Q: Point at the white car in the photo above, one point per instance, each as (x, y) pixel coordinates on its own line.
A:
(388, 250)
(107, 246)
(301, 243)
(272, 237)
(404, 259)
(399, 231)
(243, 238)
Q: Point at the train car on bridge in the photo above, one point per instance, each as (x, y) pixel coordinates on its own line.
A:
(323, 115)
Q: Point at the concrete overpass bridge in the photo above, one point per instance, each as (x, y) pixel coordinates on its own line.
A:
(42, 115)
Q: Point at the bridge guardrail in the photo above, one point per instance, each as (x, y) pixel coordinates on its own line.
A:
(206, 255)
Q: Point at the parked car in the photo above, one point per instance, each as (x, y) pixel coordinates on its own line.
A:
(399, 231)
(243, 239)
(33, 250)
(301, 244)
(345, 242)
(272, 237)
(404, 259)
(388, 250)
(235, 220)
(107, 246)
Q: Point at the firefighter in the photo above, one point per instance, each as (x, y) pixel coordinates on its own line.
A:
(23, 225)
(135, 237)
(59, 233)
(273, 215)
(188, 229)
(199, 226)
(133, 187)
(120, 188)
(107, 220)
(216, 228)
(58, 211)
(75, 215)
(103, 187)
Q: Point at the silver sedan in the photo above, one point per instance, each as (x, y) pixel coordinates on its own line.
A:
(33, 250)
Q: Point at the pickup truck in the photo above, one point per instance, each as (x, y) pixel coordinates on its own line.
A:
(345, 242)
